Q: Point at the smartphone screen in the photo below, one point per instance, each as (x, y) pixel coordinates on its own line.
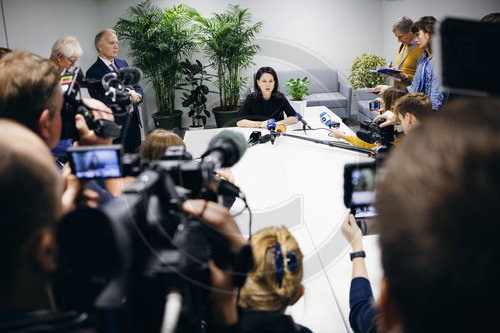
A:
(360, 180)
(95, 161)
(374, 105)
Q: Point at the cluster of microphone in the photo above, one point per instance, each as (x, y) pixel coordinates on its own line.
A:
(277, 130)
(327, 120)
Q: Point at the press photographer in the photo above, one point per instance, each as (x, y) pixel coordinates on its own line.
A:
(153, 249)
(30, 93)
(28, 247)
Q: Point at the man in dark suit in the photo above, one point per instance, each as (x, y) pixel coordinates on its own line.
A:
(106, 43)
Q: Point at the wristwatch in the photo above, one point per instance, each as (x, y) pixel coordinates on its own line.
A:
(359, 254)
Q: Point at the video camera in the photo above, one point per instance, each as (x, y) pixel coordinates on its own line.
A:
(126, 257)
(112, 85)
(371, 132)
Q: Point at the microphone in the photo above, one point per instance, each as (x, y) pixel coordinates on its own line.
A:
(271, 124)
(327, 120)
(256, 135)
(225, 149)
(265, 138)
(262, 139)
(129, 76)
(302, 120)
(281, 129)
(277, 132)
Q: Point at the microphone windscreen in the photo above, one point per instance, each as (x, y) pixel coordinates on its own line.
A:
(130, 76)
(281, 128)
(254, 136)
(271, 124)
(265, 138)
(326, 119)
(237, 140)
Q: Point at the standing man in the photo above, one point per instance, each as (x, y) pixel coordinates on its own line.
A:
(65, 52)
(408, 53)
(106, 43)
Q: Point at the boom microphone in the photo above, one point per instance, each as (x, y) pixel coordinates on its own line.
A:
(225, 149)
(327, 120)
(302, 120)
(130, 76)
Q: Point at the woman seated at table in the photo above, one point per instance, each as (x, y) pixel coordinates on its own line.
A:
(265, 102)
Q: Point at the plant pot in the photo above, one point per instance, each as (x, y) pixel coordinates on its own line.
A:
(169, 121)
(225, 118)
(299, 106)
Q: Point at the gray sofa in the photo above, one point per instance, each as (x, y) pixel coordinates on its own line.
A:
(326, 89)
(364, 97)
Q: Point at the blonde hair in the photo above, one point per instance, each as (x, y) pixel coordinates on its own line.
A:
(157, 142)
(261, 290)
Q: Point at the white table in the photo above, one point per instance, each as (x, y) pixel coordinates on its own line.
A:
(300, 184)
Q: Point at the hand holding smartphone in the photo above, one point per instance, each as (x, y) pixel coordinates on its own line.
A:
(359, 193)
(374, 105)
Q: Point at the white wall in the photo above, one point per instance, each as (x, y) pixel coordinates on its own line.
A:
(298, 34)
(3, 39)
(34, 25)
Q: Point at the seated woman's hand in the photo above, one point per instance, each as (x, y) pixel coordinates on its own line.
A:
(338, 134)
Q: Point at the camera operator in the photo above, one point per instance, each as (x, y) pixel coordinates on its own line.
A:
(28, 248)
(30, 93)
(389, 97)
(409, 111)
(27, 241)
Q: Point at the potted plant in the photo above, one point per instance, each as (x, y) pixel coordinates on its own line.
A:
(297, 88)
(195, 97)
(228, 39)
(361, 77)
(158, 41)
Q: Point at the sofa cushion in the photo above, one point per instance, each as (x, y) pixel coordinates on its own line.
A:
(312, 100)
(330, 100)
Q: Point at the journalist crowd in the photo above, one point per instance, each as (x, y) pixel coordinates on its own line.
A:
(436, 221)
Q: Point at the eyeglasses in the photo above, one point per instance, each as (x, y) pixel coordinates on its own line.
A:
(72, 61)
